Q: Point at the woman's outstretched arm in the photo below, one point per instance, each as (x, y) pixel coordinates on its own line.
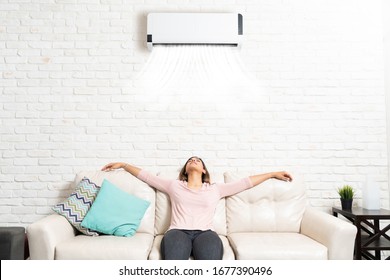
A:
(133, 170)
(157, 182)
(232, 188)
(280, 175)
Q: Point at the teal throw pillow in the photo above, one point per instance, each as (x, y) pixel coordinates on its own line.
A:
(115, 212)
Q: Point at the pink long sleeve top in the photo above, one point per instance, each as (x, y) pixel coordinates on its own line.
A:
(193, 209)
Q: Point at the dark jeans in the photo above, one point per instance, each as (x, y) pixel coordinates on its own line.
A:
(180, 244)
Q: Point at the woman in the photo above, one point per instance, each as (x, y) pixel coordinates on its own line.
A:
(193, 202)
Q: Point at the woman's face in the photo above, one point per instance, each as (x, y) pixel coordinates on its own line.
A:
(195, 164)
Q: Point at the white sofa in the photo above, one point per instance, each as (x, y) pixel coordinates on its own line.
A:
(270, 221)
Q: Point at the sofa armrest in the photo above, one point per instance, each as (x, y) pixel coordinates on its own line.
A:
(44, 235)
(337, 235)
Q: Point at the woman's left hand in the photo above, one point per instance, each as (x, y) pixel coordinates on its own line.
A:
(283, 175)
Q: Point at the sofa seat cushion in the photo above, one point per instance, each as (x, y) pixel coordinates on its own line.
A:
(276, 246)
(156, 255)
(105, 247)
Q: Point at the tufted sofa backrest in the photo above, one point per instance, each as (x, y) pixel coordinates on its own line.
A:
(130, 184)
(271, 206)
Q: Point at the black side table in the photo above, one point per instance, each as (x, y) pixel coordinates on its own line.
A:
(369, 236)
(12, 243)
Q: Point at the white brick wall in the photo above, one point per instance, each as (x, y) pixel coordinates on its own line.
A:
(67, 101)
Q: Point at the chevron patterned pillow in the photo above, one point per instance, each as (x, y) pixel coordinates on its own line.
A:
(76, 206)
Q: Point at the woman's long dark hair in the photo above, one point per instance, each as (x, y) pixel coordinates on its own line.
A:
(205, 176)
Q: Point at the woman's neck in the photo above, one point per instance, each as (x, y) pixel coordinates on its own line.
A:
(194, 181)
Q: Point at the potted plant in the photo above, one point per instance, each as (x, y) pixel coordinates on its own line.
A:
(347, 194)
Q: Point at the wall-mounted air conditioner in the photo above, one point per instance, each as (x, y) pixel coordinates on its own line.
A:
(194, 29)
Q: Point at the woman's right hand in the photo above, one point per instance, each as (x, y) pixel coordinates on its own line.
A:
(113, 165)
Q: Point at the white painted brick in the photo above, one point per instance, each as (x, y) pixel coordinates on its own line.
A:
(68, 100)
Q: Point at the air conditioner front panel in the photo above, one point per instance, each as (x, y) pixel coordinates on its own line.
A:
(194, 28)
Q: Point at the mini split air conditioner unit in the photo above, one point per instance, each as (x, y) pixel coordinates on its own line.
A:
(194, 29)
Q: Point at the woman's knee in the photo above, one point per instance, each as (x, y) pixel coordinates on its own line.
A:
(175, 235)
(175, 245)
(208, 246)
